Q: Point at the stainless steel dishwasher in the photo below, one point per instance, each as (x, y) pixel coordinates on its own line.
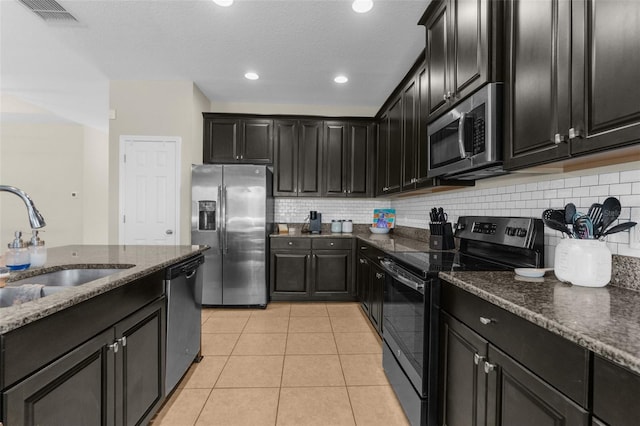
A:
(183, 284)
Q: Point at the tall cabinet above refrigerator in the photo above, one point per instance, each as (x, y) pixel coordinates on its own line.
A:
(232, 212)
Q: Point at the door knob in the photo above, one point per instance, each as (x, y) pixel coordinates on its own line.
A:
(169, 232)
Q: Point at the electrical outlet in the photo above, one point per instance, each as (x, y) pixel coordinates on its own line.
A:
(634, 233)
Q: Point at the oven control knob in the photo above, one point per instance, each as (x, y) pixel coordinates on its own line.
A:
(522, 232)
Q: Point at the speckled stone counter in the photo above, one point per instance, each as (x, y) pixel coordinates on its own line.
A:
(392, 242)
(604, 320)
(144, 260)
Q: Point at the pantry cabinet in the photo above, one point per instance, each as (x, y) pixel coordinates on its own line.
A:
(102, 372)
(229, 139)
(560, 98)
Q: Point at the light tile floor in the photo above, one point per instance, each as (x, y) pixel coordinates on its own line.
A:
(289, 364)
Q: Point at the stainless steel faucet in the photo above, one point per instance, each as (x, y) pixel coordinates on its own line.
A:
(35, 218)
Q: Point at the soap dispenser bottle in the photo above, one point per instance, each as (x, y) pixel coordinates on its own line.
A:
(37, 250)
(17, 257)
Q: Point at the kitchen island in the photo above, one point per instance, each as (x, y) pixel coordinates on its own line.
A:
(135, 262)
(92, 353)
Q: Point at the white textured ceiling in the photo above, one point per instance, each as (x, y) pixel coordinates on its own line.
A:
(297, 47)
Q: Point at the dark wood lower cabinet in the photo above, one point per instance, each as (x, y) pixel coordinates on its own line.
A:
(615, 393)
(75, 390)
(306, 268)
(115, 378)
(370, 284)
(481, 385)
(462, 381)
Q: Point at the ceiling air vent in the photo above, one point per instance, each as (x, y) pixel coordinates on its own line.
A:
(49, 10)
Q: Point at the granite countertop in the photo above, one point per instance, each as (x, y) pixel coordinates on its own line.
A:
(387, 242)
(605, 320)
(145, 260)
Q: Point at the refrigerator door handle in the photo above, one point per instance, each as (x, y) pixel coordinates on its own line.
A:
(224, 219)
(219, 226)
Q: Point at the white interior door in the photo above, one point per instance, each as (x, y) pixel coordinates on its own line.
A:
(149, 190)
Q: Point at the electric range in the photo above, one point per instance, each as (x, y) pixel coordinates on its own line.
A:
(412, 299)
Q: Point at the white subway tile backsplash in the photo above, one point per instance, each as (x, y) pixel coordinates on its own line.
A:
(514, 199)
(630, 176)
(589, 180)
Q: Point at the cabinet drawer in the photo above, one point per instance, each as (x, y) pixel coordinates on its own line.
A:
(558, 361)
(331, 243)
(291, 243)
(615, 393)
(373, 253)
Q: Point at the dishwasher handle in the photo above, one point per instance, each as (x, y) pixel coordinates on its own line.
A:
(188, 268)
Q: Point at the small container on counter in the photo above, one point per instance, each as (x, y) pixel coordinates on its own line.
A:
(583, 262)
(37, 250)
(347, 226)
(336, 226)
(17, 257)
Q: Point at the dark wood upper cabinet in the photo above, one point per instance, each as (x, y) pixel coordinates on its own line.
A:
(571, 79)
(382, 155)
(348, 159)
(461, 51)
(298, 158)
(605, 64)
(229, 139)
(410, 119)
(394, 155)
(537, 98)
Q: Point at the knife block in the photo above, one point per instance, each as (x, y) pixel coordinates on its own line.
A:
(441, 236)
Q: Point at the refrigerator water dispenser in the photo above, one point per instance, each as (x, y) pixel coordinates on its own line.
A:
(207, 215)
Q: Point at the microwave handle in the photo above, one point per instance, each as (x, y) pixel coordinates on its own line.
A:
(461, 133)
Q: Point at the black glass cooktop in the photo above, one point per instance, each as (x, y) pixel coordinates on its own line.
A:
(429, 263)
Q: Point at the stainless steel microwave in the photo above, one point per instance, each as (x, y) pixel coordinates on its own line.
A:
(466, 142)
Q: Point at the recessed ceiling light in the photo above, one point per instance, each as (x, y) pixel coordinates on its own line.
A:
(341, 79)
(362, 6)
(251, 76)
(223, 3)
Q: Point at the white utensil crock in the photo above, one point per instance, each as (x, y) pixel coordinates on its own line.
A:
(583, 262)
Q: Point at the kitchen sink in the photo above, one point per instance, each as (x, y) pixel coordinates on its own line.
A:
(69, 277)
(10, 296)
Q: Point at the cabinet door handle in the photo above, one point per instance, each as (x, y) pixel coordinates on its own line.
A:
(488, 367)
(486, 321)
(363, 248)
(379, 275)
(477, 358)
(444, 97)
(113, 347)
(242, 157)
(331, 244)
(558, 139)
(573, 133)
(362, 261)
(290, 243)
(122, 341)
(448, 95)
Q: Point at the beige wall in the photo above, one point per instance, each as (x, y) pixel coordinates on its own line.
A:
(156, 108)
(49, 161)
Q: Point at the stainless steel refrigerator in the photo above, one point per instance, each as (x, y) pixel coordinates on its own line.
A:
(232, 212)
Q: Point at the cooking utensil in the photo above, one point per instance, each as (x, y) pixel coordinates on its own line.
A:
(583, 227)
(595, 213)
(610, 212)
(554, 219)
(569, 212)
(618, 228)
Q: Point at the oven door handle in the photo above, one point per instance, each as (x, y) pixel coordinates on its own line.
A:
(417, 286)
(461, 135)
